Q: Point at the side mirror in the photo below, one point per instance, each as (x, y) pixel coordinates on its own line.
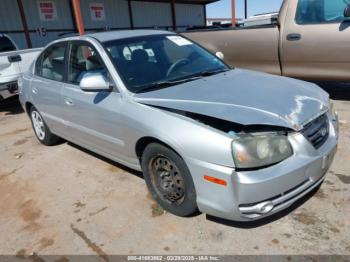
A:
(347, 11)
(94, 82)
(220, 55)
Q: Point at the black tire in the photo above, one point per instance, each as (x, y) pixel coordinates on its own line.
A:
(47, 138)
(172, 187)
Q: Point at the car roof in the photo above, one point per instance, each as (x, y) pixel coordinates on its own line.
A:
(121, 34)
(113, 35)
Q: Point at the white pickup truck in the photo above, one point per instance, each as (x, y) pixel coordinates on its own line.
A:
(13, 63)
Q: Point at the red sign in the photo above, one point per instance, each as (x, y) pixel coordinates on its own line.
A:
(47, 10)
(97, 12)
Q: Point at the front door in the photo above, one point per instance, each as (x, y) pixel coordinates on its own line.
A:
(92, 118)
(316, 40)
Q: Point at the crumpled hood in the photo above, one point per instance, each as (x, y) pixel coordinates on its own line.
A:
(245, 97)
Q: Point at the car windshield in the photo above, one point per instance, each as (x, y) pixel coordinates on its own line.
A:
(6, 44)
(152, 62)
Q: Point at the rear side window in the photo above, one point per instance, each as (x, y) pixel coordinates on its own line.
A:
(6, 44)
(83, 60)
(51, 63)
(320, 11)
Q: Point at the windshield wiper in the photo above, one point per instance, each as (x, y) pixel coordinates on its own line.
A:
(210, 72)
(162, 84)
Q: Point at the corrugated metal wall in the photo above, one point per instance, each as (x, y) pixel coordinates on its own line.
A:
(43, 32)
(145, 15)
(151, 14)
(116, 14)
(10, 20)
(189, 15)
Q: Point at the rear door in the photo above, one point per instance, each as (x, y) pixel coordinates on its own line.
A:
(316, 40)
(92, 118)
(46, 86)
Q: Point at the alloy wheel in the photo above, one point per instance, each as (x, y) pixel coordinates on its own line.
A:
(38, 124)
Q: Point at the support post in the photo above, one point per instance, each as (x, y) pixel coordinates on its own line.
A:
(78, 17)
(233, 13)
(24, 23)
(246, 9)
(130, 15)
(173, 14)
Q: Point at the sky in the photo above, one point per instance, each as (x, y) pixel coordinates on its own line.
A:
(222, 8)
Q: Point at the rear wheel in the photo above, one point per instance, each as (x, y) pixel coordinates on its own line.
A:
(169, 180)
(41, 130)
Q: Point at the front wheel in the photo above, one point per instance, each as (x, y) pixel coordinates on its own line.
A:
(169, 180)
(41, 130)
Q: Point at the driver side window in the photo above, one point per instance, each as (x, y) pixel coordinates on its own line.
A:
(83, 60)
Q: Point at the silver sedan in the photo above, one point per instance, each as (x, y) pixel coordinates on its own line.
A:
(232, 143)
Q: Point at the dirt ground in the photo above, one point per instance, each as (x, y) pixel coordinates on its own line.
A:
(65, 200)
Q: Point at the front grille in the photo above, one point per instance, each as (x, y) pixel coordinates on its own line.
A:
(317, 131)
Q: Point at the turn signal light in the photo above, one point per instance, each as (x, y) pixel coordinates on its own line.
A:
(215, 180)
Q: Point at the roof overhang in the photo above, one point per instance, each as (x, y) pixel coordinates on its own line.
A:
(198, 2)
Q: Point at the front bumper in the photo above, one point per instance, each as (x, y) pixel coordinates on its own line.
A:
(252, 195)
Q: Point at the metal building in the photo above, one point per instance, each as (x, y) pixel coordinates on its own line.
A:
(34, 23)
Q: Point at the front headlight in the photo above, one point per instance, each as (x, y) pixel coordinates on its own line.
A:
(334, 116)
(259, 150)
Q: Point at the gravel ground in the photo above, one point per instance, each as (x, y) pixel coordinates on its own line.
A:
(66, 200)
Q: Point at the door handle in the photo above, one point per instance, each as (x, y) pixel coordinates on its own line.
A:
(34, 90)
(293, 37)
(14, 58)
(68, 101)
